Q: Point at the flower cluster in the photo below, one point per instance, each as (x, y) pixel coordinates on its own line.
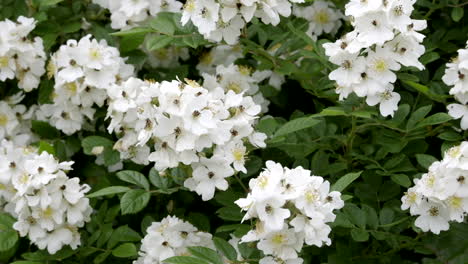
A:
(292, 207)
(218, 20)
(83, 71)
(173, 122)
(456, 75)
(239, 79)
(168, 238)
(323, 17)
(49, 206)
(384, 38)
(20, 57)
(441, 194)
(15, 120)
(126, 14)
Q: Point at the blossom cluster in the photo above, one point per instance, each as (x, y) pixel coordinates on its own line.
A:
(239, 79)
(15, 120)
(168, 238)
(83, 71)
(224, 56)
(35, 189)
(21, 57)
(218, 20)
(456, 75)
(323, 17)
(174, 122)
(441, 194)
(384, 38)
(291, 207)
(126, 14)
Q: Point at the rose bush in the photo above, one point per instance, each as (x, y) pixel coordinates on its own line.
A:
(233, 131)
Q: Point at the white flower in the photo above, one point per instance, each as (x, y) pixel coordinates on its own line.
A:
(283, 244)
(169, 238)
(387, 99)
(49, 206)
(21, 57)
(459, 111)
(208, 176)
(279, 194)
(432, 217)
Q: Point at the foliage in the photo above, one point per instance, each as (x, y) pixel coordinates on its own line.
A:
(372, 160)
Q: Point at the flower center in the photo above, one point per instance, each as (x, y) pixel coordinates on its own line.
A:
(3, 120)
(4, 61)
(322, 17)
(278, 239)
(380, 65)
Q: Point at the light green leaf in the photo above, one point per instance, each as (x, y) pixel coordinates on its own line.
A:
(345, 181)
(425, 160)
(132, 32)
(206, 254)
(134, 177)
(158, 42)
(401, 179)
(44, 146)
(185, 260)
(296, 125)
(108, 191)
(163, 24)
(457, 14)
(125, 250)
(161, 182)
(434, 120)
(224, 247)
(134, 201)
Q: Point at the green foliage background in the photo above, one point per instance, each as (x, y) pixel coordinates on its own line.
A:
(307, 126)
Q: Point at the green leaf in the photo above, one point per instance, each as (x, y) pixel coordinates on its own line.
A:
(134, 177)
(132, 32)
(371, 216)
(425, 90)
(434, 120)
(26, 262)
(108, 191)
(185, 260)
(206, 254)
(161, 182)
(457, 14)
(125, 250)
(225, 248)
(359, 235)
(345, 181)
(44, 146)
(101, 257)
(92, 144)
(401, 179)
(429, 57)
(296, 125)
(355, 215)
(158, 42)
(44, 3)
(417, 116)
(230, 213)
(44, 130)
(163, 24)
(134, 201)
(386, 216)
(425, 160)
(8, 235)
